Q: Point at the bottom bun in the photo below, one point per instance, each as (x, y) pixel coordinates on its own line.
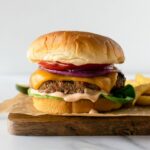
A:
(55, 106)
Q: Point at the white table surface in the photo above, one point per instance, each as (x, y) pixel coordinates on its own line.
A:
(11, 142)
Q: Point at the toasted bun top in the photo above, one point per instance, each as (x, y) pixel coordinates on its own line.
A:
(75, 47)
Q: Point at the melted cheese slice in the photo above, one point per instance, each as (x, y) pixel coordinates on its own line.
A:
(104, 82)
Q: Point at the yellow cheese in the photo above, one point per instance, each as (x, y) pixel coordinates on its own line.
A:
(104, 82)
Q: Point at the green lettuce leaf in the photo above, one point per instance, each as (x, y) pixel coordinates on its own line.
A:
(42, 96)
(22, 88)
(123, 95)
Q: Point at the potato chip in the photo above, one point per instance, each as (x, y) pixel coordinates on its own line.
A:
(147, 92)
(140, 79)
(142, 86)
(143, 100)
(140, 90)
(132, 82)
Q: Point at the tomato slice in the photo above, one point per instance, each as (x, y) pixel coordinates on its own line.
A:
(64, 66)
(55, 65)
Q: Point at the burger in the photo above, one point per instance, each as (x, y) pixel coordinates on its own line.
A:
(76, 73)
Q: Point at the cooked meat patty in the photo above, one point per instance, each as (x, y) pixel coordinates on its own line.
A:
(120, 81)
(70, 87)
(67, 87)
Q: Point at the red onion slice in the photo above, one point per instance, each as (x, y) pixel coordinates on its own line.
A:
(64, 66)
(82, 73)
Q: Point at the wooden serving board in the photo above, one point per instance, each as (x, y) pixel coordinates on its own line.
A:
(48, 125)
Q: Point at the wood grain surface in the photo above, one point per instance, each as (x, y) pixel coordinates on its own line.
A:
(47, 125)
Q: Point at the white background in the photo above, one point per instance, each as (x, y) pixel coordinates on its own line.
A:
(126, 21)
(21, 21)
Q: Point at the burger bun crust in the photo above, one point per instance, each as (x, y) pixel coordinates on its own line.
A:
(75, 47)
(55, 106)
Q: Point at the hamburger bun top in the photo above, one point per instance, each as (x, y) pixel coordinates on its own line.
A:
(76, 48)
